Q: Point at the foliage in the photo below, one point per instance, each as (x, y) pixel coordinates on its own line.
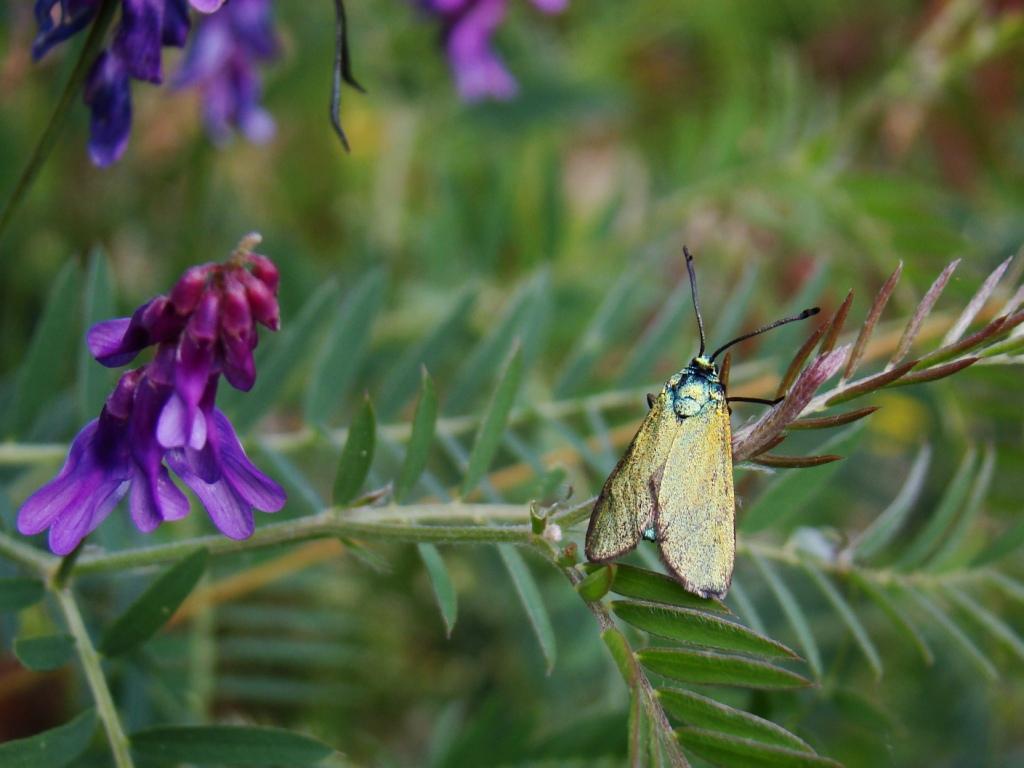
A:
(875, 612)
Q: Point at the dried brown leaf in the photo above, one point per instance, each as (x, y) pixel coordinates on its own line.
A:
(838, 420)
(922, 311)
(836, 326)
(976, 303)
(877, 307)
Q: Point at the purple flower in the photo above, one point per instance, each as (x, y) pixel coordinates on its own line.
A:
(223, 64)
(164, 411)
(468, 26)
(224, 68)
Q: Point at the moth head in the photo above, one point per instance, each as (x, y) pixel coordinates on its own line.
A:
(702, 364)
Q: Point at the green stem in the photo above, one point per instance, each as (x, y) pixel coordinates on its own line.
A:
(27, 556)
(431, 523)
(93, 43)
(90, 661)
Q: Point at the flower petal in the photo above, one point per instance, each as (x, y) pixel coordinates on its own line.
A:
(250, 483)
(155, 500)
(479, 73)
(74, 15)
(230, 512)
(108, 94)
(69, 529)
(139, 37)
(176, 23)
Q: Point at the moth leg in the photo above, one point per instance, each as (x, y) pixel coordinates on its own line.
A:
(651, 397)
(757, 400)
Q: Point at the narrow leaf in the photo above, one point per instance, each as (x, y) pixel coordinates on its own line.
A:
(794, 462)
(441, 582)
(794, 614)
(923, 310)
(836, 326)
(788, 495)
(488, 437)
(846, 613)
(712, 668)
(828, 422)
(928, 538)
(958, 636)
(702, 712)
(797, 363)
(642, 584)
(697, 628)
(870, 384)
(38, 381)
(529, 596)
(933, 374)
(996, 329)
(54, 748)
(745, 606)
(995, 626)
(41, 654)
(948, 554)
(98, 304)
(594, 341)
(897, 616)
(877, 306)
(1002, 545)
(662, 330)
(286, 351)
(400, 382)
(418, 450)
(356, 456)
(622, 655)
(232, 744)
(976, 304)
(343, 350)
(17, 593)
(154, 607)
(722, 749)
(1010, 587)
(877, 536)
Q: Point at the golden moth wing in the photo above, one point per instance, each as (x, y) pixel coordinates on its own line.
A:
(625, 507)
(695, 510)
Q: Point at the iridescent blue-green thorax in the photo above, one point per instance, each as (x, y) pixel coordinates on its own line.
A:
(695, 388)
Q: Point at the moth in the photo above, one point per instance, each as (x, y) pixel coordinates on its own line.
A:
(674, 484)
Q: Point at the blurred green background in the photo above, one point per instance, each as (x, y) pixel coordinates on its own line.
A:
(801, 149)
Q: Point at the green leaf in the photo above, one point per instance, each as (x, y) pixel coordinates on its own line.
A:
(529, 596)
(697, 628)
(38, 381)
(642, 584)
(722, 749)
(745, 606)
(995, 626)
(495, 347)
(18, 593)
(702, 712)
(621, 654)
(958, 636)
(356, 456)
(661, 331)
(950, 553)
(54, 748)
(154, 607)
(492, 427)
(877, 536)
(400, 382)
(938, 523)
(846, 613)
(98, 304)
(898, 617)
(342, 352)
(285, 352)
(794, 613)
(596, 584)
(444, 590)
(418, 450)
(41, 654)
(235, 745)
(595, 339)
(788, 495)
(712, 668)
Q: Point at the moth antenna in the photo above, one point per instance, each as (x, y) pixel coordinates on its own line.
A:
(802, 316)
(693, 291)
(757, 400)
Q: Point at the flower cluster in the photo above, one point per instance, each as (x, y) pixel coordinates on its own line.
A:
(164, 411)
(467, 28)
(220, 64)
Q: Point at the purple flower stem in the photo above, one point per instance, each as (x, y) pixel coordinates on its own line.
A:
(72, 92)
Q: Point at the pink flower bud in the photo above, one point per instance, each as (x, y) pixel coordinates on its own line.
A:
(265, 270)
(262, 301)
(190, 286)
